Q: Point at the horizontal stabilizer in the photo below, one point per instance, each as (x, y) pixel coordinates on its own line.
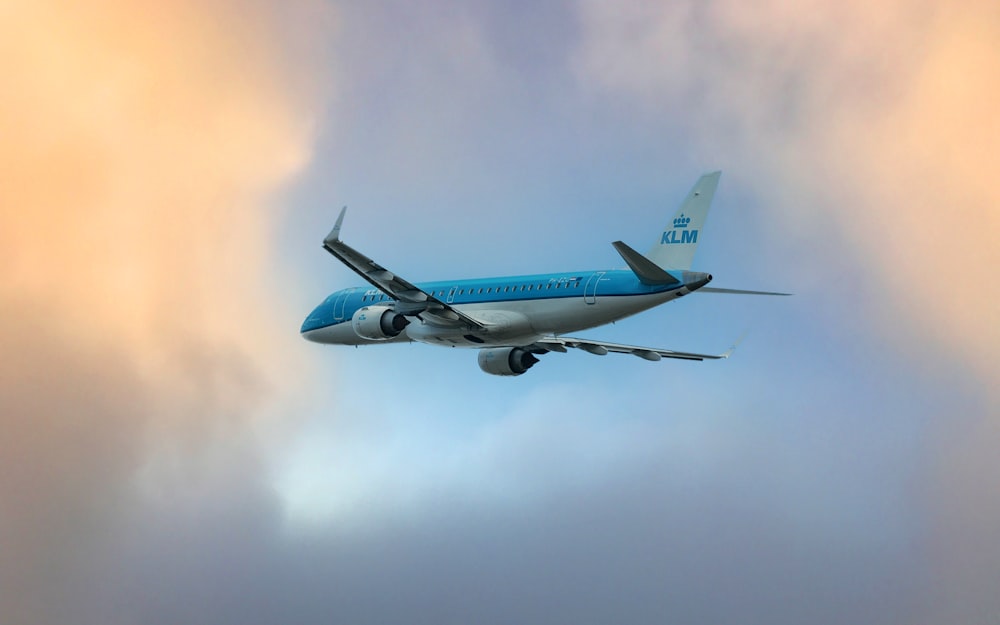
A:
(712, 289)
(646, 270)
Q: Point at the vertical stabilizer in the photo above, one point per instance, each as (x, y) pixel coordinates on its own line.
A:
(677, 243)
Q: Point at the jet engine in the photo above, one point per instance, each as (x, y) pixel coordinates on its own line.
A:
(506, 360)
(378, 323)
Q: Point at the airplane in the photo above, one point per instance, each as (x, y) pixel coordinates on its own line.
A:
(512, 320)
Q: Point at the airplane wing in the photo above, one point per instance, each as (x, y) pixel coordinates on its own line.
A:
(410, 300)
(600, 348)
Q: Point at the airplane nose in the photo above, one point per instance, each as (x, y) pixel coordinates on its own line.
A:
(694, 280)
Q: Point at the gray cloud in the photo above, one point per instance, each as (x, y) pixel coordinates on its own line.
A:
(70, 440)
(748, 536)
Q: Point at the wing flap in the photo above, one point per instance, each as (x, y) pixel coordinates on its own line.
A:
(560, 343)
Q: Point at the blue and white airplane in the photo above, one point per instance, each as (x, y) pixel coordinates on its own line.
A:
(512, 320)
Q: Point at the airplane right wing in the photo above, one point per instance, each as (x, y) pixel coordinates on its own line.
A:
(600, 348)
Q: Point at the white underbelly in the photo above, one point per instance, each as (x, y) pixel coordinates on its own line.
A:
(562, 315)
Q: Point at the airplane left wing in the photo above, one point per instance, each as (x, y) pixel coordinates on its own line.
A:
(410, 300)
(600, 348)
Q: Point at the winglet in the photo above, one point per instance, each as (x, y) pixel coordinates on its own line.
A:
(335, 233)
(646, 270)
(732, 348)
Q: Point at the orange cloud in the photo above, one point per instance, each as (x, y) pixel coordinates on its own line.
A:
(140, 144)
(924, 200)
(141, 147)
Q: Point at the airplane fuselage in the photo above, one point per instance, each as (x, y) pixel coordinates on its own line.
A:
(514, 310)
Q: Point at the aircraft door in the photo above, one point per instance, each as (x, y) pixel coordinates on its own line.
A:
(590, 289)
(340, 303)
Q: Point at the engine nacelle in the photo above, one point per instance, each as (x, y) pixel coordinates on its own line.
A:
(378, 323)
(506, 360)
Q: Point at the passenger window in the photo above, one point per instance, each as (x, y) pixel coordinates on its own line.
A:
(529, 287)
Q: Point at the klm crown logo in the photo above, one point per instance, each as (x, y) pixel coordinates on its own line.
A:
(680, 225)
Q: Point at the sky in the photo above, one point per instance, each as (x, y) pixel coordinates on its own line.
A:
(172, 451)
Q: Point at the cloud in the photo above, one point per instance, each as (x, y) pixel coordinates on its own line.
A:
(866, 130)
(145, 147)
(556, 512)
(872, 119)
(143, 144)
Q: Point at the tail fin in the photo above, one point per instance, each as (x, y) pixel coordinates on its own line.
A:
(676, 246)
